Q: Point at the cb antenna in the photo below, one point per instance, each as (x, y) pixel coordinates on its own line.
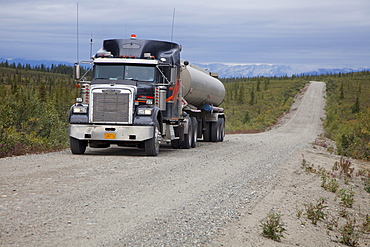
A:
(173, 23)
(78, 49)
(91, 46)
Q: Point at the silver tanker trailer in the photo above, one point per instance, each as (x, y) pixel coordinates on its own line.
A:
(142, 94)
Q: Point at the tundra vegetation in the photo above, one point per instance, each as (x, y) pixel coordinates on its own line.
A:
(345, 216)
(35, 102)
(33, 108)
(348, 113)
(255, 104)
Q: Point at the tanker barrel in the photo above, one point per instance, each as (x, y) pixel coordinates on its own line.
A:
(200, 87)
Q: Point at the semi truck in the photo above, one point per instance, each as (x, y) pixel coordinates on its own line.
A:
(143, 94)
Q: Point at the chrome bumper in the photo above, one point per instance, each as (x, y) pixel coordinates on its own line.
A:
(110, 132)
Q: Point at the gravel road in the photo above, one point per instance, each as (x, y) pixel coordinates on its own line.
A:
(119, 197)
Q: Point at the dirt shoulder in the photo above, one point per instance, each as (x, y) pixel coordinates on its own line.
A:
(299, 186)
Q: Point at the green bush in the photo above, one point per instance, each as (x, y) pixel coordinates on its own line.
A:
(348, 114)
(33, 111)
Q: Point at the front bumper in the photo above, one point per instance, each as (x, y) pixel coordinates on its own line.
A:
(110, 132)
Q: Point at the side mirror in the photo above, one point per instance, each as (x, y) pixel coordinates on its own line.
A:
(77, 72)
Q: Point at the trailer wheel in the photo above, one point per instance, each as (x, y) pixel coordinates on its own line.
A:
(188, 138)
(222, 130)
(77, 146)
(152, 145)
(217, 131)
(194, 122)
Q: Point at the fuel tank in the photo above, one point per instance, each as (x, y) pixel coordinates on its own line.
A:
(199, 87)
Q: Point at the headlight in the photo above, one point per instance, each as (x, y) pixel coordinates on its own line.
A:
(144, 111)
(79, 109)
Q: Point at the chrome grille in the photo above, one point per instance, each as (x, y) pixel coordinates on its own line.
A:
(111, 107)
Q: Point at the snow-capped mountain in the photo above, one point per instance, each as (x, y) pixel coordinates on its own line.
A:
(269, 70)
(252, 70)
(22, 61)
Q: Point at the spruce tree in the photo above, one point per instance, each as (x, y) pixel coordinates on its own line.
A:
(251, 102)
(341, 91)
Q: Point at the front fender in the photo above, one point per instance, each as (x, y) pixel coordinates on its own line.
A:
(149, 119)
(77, 118)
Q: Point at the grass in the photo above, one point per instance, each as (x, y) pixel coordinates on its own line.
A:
(329, 183)
(346, 197)
(272, 227)
(348, 223)
(348, 233)
(367, 185)
(315, 211)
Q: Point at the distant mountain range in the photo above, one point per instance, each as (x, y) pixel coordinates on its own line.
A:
(270, 70)
(228, 71)
(47, 63)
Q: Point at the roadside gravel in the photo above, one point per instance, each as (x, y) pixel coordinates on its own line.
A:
(119, 197)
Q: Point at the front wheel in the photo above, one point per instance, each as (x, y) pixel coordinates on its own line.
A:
(77, 146)
(194, 122)
(152, 145)
(188, 138)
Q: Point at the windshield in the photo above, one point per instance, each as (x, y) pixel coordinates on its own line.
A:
(124, 72)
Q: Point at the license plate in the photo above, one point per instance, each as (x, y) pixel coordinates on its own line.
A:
(110, 136)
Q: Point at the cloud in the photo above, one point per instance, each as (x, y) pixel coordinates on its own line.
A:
(234, 31)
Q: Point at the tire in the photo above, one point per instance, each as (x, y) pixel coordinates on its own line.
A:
(152, 145)
(194, 122)
(77, 146)
(217, 131)
(222, 130)
(188, 138)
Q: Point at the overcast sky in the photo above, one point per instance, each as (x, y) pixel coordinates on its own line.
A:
(330, 33)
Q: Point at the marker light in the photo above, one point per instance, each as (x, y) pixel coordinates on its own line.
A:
(133, 36)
